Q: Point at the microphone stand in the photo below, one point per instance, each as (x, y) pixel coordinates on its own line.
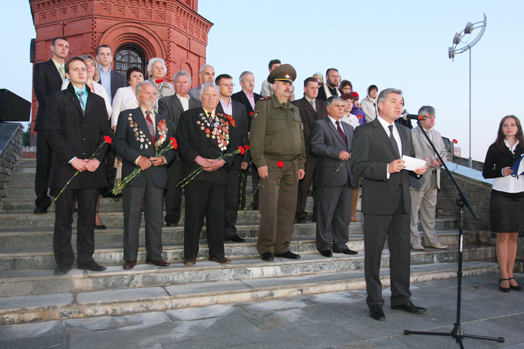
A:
(457, 332)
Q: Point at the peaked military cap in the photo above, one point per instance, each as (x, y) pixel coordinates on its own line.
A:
(285, 72)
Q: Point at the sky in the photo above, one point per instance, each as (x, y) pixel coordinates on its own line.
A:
(402, 44)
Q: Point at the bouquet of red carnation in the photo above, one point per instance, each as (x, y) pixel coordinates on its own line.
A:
(107, 140)
(136, 172)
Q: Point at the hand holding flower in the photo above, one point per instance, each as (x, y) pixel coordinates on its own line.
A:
(157, 161)
(144, 163)
(92, 165)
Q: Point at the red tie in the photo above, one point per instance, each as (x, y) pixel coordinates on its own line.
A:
(341, 132)
(150, 126)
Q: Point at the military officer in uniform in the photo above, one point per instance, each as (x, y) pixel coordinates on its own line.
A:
(278, 151)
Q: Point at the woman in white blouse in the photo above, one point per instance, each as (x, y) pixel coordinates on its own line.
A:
(125, 97)
(506, 208)
(93, 76)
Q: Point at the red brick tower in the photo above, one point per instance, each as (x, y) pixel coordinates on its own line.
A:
(136, 30)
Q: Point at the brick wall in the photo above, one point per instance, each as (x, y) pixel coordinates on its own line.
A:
(8, 156)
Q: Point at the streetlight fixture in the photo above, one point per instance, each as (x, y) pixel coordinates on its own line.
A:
(455, 49)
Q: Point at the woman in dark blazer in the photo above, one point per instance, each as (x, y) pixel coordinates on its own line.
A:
(506, 209)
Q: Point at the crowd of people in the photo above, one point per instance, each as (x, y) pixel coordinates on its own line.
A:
(328, 138)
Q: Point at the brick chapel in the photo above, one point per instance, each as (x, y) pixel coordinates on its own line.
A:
(136, 30)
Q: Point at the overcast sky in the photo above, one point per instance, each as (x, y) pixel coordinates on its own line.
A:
(402, 44)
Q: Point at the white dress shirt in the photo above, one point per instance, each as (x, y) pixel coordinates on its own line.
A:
(509, 184)
(125, 98)
(184, 101)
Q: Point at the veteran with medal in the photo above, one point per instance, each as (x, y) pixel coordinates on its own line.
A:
(140, 135)
(203, 136)
(278, 151)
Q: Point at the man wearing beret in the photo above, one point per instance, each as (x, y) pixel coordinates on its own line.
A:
(278, 151)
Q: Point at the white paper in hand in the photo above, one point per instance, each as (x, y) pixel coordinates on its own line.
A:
(412, 163)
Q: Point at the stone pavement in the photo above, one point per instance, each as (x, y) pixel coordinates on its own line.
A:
(329, 320)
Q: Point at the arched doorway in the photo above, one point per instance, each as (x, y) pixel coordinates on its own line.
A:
(130, 55)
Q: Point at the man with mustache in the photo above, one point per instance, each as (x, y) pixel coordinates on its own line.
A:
(278, 151)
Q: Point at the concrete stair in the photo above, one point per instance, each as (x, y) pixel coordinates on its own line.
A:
(29, 290)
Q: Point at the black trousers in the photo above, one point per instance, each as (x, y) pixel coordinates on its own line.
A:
(44, 154)
(173, 197)
(209, 199)
(85, 240)
(110, 169)
(396, 229)
(303, 188)
(151, 198)
(232, 199)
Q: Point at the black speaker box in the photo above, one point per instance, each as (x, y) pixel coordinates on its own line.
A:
(13, 107)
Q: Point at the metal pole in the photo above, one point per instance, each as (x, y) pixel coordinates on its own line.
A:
(470, 160)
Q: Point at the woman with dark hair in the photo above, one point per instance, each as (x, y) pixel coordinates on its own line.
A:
(125, 97)
(346, 86)
(506, 209)
(369, 104)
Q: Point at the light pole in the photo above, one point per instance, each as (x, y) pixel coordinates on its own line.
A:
(453, 50)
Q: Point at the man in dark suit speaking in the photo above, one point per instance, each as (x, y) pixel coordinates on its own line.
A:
(76, 123)
(377, 153)
(330, 142)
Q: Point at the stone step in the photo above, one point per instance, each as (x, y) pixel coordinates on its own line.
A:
(111, 254)
(25, 162)
(71, 304)
(17, 204)
(40, 282)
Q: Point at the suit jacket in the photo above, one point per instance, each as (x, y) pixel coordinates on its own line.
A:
(239, 131)
(71, 134)
(326, 144)
(117, 80)
(133, 139)
(423, 150)
(172, 108)
(371, 153)
(195, 92)
(46, 79)
(192, 141)
(309, 116)
(242, 98)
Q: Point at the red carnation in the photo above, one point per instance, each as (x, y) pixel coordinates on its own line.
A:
(455, 141)
(251, 114)
(107, 139)
(280, 164)
(359, 116)
(173, 142)
(242, 151)
(246, 147)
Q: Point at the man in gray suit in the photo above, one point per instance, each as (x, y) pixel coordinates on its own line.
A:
(377, 153)
(424, 191)
(140, 135)
(206, 74)
(172, 107)
(240, 163)
(330, 142)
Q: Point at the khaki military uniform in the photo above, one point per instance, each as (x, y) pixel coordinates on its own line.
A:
(276, 135)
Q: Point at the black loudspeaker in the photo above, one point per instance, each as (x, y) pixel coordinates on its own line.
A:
(32, 49)
(13, 107)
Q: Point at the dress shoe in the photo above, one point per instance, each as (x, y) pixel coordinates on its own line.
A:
(410, 308)
(158, 263)
(301, 220)
(236, 238)
(189, 262)
(221, 260)
(288, 255)
(503, 289)
(353, 219)
(376, 312)
(91, 266)
(171, 222)
(326, 253)
(516, 288)
(129, 265)
(268, 257)
(348, 251)
(100, 226)
(417, 247)
(40, 210)
(59, 271)
(439, 246)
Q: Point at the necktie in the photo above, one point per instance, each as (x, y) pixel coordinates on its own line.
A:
(313, 104)
(339, 129)
(61, 72)
(393, 141)
(209, 115)
(150, 126)
(80, 94)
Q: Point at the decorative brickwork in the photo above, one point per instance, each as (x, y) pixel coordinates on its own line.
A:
(170, 29)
